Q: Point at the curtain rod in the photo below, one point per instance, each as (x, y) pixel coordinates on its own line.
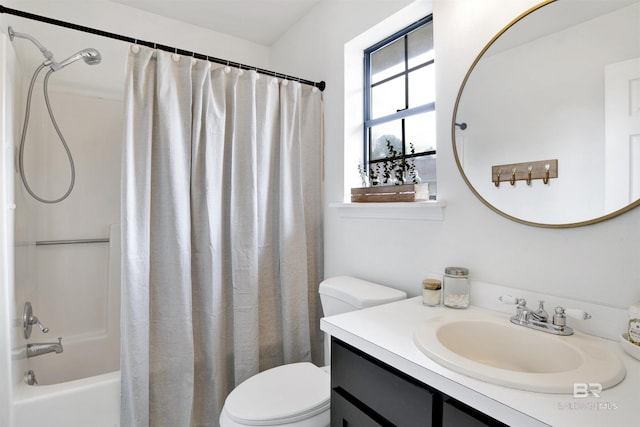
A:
(320, 85)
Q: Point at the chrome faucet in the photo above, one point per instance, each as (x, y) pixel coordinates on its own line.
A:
(539, 319)
(44, 348)
(540, 314)
(28, 320)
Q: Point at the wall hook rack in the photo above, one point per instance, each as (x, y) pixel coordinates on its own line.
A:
(526, 171)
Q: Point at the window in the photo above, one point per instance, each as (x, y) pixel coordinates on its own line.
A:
(399, 108)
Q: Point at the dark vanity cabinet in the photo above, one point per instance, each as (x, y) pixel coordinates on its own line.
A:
(367, 392)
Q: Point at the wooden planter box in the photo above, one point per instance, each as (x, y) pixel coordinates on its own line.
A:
(391, 193)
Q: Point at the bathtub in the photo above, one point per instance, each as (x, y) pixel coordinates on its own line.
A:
(86, 402)
(79, 387)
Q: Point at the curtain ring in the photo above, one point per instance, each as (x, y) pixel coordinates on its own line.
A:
(545, 179)
(513, 177)
(529, 169)
(175, 57)
(497, 183)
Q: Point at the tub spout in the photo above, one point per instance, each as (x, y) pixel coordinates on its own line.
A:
(44, 348)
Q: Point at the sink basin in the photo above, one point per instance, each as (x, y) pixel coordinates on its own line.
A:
(490, 348)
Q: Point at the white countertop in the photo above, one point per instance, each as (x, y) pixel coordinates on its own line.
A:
(386, 333)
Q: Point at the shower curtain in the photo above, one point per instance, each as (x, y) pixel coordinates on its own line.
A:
(222, 234)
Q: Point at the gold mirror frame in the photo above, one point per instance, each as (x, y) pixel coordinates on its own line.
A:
(457, 157)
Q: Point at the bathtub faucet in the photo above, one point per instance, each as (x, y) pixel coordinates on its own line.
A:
(44, 348)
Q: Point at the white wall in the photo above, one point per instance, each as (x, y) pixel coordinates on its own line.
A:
(8, 81)
(597, 263)
(72, 288)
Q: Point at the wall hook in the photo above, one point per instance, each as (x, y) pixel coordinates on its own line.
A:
(526, 171)
(462, 125)
(545, 179)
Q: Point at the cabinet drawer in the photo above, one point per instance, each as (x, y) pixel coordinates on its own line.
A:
(390, 393)
(456, 414)
(346, 414)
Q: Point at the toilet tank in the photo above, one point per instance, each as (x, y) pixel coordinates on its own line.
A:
(344, 293)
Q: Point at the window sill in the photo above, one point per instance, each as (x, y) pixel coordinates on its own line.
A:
(432, 210)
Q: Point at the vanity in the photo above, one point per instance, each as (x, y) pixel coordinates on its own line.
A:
(360, 383)
(379, 376)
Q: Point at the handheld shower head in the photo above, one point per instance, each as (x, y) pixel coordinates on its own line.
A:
(89, 56)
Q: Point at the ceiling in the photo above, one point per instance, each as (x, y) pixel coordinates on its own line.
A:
(259, 21)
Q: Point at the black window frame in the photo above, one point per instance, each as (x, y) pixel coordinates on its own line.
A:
(400, 114)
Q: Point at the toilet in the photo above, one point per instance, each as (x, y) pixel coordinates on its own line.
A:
(297, 394)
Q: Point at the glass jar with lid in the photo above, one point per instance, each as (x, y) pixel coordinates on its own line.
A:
(455, 287)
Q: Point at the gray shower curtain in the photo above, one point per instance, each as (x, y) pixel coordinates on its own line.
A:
(221, 234)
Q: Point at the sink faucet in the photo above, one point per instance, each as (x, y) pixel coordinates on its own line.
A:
(44, 348)
(540, 314)
(525, 314)
(539, 319)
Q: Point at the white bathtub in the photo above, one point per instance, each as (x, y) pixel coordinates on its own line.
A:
(79, 387)
(87, 402)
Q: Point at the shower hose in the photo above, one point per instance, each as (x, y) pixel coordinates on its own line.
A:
(55, 125)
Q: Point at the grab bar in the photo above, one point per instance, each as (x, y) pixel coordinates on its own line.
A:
(70, 241)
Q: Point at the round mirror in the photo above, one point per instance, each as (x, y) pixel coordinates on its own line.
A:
(546, 126)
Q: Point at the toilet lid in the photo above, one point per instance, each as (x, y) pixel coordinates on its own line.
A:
(287, 393)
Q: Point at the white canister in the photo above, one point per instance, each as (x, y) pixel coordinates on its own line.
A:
(431, 292)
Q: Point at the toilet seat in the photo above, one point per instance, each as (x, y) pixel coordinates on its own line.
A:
(281, 395)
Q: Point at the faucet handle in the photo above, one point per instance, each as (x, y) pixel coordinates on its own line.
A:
(508, 299)
(28, 320)
(560, 317)
(577, 313)
(34, 321)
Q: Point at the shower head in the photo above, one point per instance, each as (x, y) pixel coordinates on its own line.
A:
(46, 52)
(89, 56)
